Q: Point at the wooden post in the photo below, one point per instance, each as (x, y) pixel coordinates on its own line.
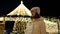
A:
(3, 20)
(2, 26)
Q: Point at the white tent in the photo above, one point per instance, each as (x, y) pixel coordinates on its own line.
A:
(21, 10)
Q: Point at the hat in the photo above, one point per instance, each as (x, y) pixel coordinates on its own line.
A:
(36, 9)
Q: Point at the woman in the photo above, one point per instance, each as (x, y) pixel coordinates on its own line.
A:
(38, 26)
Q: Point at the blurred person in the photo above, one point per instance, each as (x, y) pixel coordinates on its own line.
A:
(38, 25)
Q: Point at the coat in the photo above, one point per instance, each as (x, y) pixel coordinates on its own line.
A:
(38, 26)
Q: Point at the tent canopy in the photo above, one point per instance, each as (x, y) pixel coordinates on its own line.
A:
(21, 10)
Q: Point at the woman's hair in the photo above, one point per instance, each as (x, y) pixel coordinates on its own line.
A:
(37, 10)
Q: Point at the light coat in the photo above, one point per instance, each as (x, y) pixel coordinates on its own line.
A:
(38, 26)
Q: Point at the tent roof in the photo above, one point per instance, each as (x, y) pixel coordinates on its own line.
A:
(21, 10)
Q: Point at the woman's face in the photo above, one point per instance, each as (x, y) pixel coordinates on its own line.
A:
(33, 13)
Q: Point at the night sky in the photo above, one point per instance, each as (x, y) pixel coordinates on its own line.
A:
(48, 8)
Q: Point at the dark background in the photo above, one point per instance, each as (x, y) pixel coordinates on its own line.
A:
(48, 7)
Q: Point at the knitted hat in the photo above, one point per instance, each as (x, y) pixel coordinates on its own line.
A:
(36, 9)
